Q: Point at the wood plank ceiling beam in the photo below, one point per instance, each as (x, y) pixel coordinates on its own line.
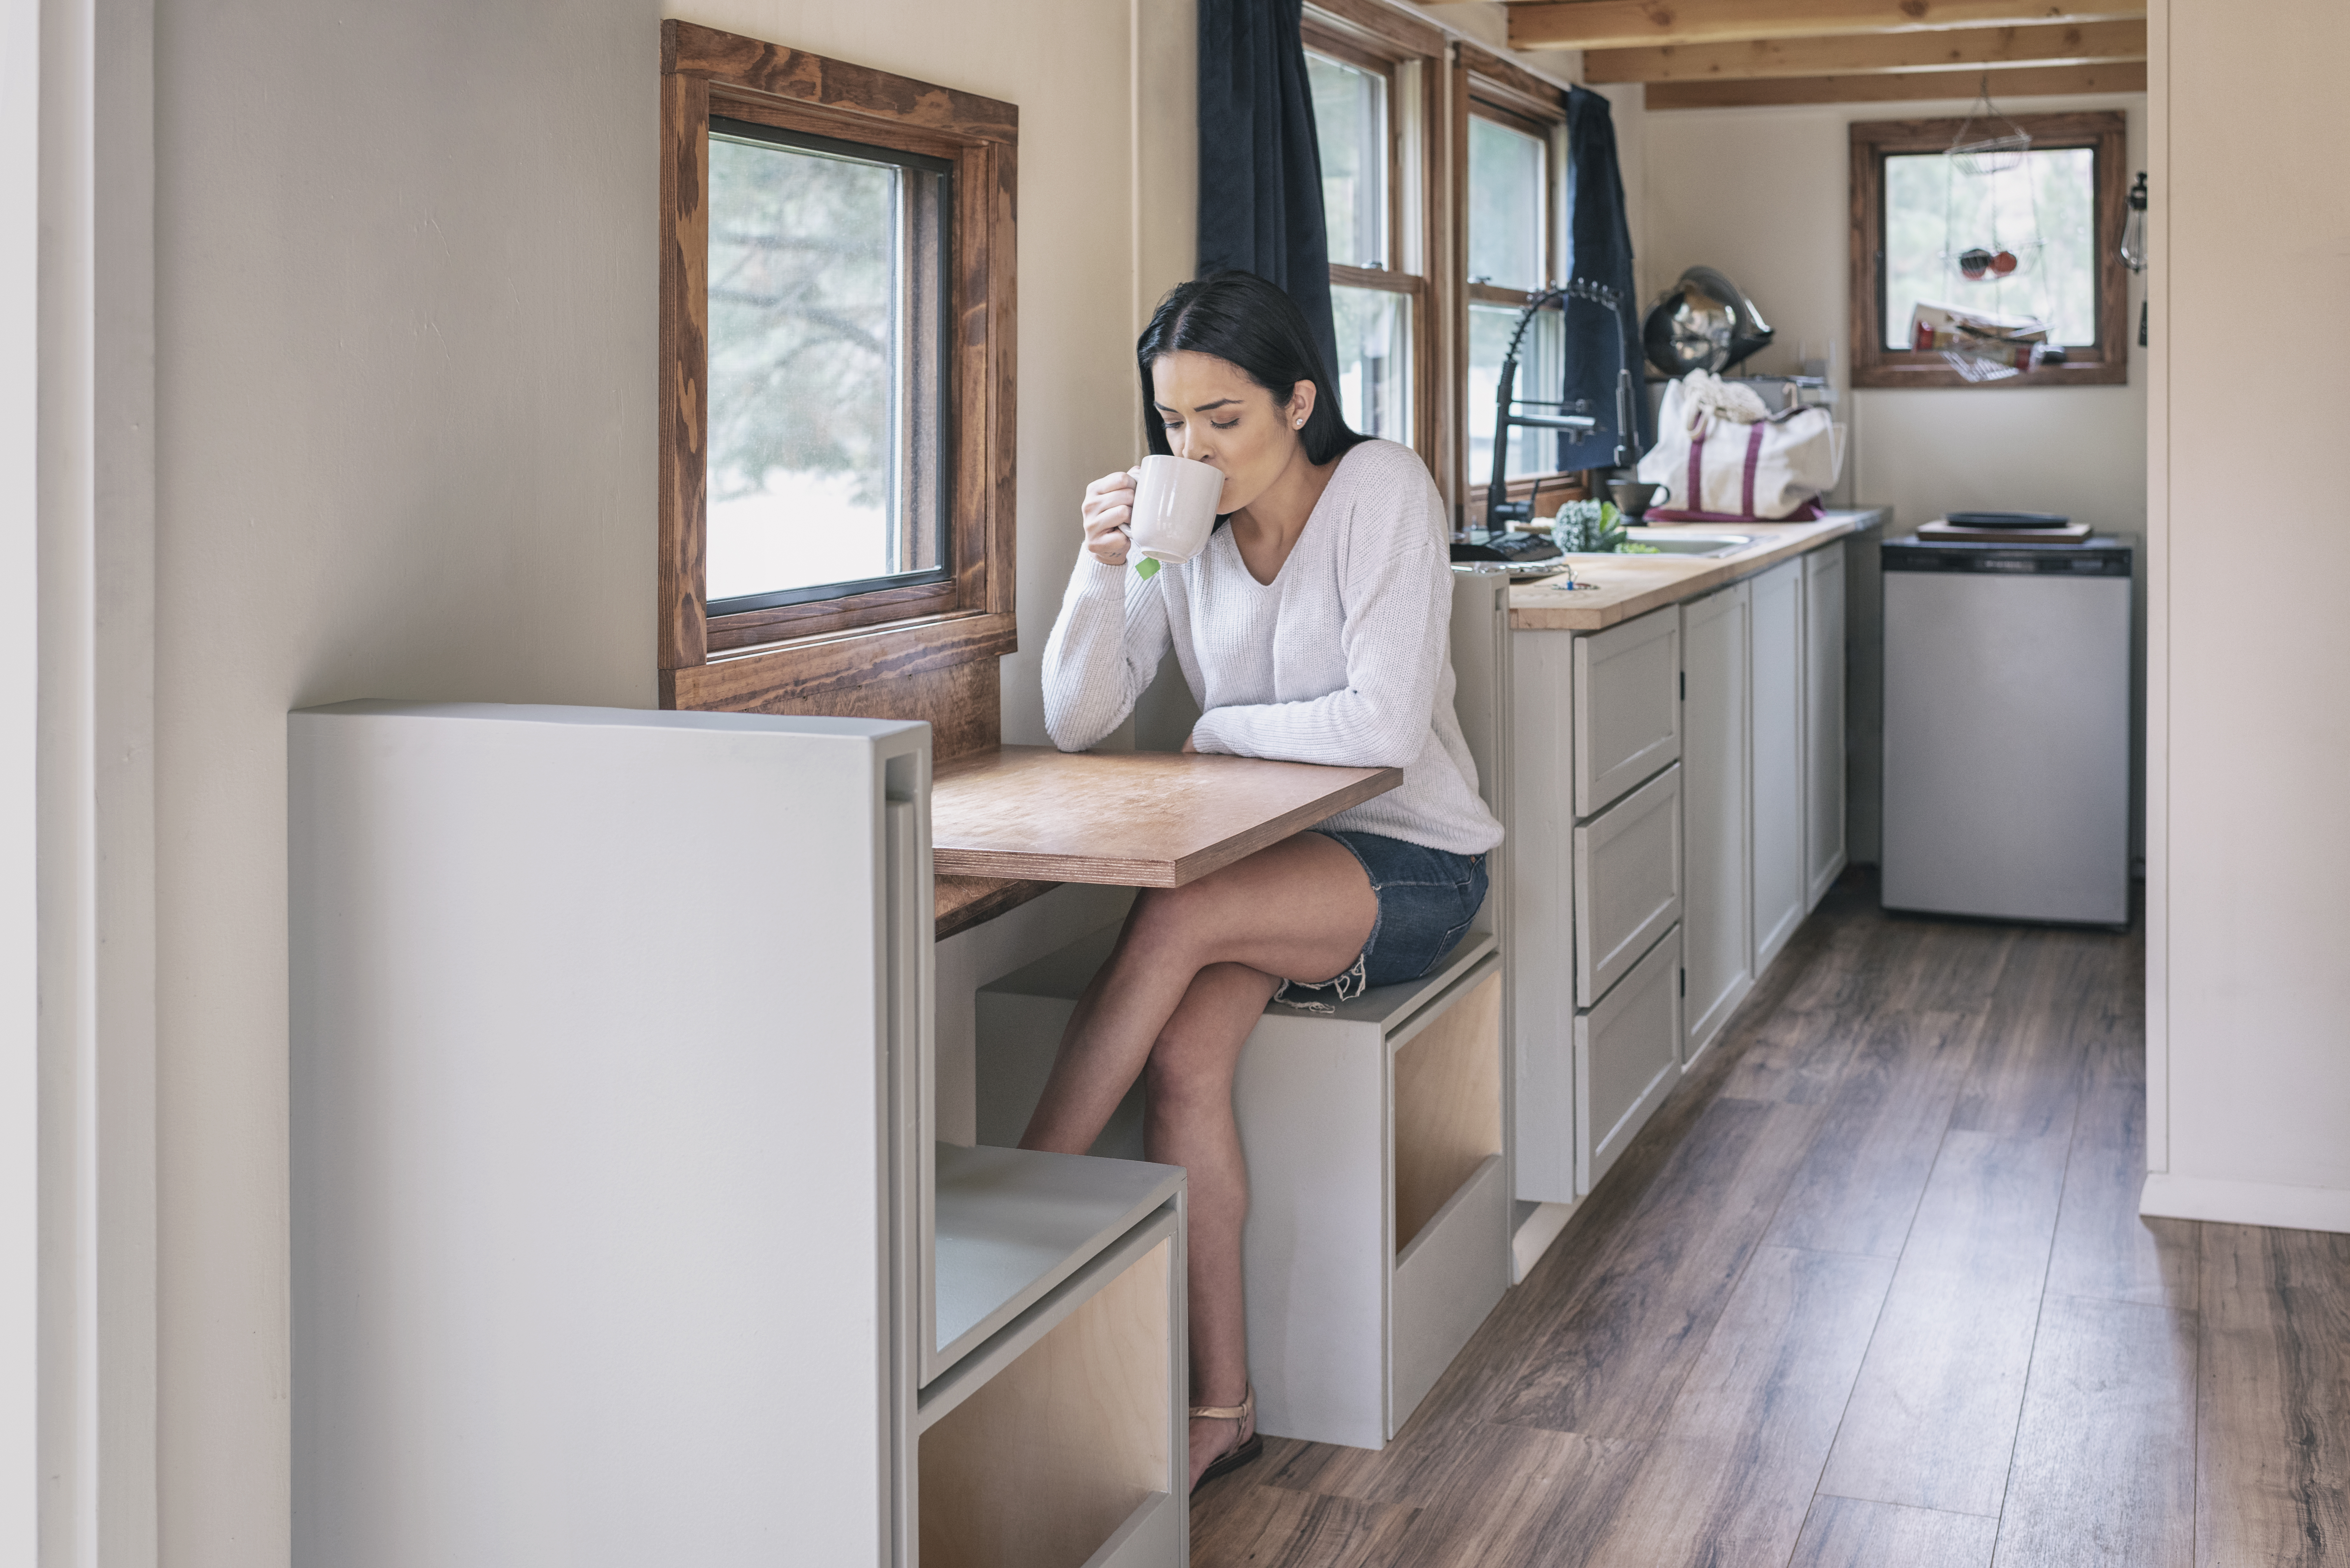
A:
(1638, 24)
(1870, 54)
(2046, 81)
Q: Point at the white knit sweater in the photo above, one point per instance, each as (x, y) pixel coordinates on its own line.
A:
(1345, 658)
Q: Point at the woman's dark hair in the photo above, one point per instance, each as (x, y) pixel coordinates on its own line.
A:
(1239, 317)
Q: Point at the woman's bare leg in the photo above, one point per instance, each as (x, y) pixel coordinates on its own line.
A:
(1181, 990)
(1301, 908)
(1190, 1125)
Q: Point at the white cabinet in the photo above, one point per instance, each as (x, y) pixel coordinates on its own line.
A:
(1597, 879)
(1774, 683)
(1716, 909)
(1627, 1058)
(1641, 927)
(1628, 711)
(1824, 760)
(1628, 883)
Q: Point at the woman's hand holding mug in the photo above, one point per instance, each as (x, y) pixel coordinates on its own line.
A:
(1109, 502)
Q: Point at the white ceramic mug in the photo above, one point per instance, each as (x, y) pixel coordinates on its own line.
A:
(1174, 509)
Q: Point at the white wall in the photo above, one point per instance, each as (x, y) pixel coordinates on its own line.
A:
(20, 1078)
(406, 355)
(1762, 193)
(2248, 850)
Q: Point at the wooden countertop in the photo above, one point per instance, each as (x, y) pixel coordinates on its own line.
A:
(1632, 586)
(1128, 819)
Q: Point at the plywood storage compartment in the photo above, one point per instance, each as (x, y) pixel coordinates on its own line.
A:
(1627, 709)
(1448, 1105)
(1340, 1347)
(1061, 1460)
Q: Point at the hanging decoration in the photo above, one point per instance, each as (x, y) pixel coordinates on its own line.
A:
(1991, 235)
(1991, 213)
(2134, 251)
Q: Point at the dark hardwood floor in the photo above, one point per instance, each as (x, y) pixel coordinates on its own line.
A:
(1872, 1289)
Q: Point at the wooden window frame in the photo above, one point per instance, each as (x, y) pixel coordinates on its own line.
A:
(820, 656)
(2104, 363)
(1485, 84)
(1374, 37)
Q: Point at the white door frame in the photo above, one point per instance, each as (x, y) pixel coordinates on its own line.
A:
(78, 1294)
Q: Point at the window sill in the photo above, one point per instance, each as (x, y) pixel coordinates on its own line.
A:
(800, 670)
(1933, 370)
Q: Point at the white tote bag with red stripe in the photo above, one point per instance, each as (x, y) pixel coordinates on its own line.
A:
(1722, 471)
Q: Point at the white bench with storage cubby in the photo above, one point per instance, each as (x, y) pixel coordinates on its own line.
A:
(1378, 1224)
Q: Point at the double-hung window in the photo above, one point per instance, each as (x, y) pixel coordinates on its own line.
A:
(1512, 250)
(1371, 90)
(1512, 129)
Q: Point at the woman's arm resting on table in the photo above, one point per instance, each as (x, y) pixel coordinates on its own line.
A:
(1396, 641)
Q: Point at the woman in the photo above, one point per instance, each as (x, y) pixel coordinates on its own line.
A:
(1312, 629)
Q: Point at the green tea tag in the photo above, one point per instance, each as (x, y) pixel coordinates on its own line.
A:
(1146, 568)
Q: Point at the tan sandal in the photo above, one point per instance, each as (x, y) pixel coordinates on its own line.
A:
(1233, 1459)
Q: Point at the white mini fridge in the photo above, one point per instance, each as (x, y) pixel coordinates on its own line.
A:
(2007, 730)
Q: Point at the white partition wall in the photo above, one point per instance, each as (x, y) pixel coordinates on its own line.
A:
(2247, 847)
(619, 1233)
(590, 1133)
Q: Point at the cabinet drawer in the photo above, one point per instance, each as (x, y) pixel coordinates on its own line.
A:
(1628, 883)
(1626, 1057)
(1627, 709)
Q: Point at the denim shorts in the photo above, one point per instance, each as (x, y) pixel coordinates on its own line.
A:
(1426, 898)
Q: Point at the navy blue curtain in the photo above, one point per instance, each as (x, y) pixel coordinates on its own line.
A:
(1601, 240)
(1260, 161)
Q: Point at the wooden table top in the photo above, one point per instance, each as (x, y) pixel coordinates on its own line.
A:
(1628, 586)
(959, 903)
(1128, 819)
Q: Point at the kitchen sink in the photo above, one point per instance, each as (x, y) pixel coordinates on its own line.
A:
(1673, 541)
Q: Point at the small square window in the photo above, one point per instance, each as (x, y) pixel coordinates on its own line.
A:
(828, 288)
(2041, 215)
(2036, 240)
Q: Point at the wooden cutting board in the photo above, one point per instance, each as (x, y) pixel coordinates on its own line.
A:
(1942, 531)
